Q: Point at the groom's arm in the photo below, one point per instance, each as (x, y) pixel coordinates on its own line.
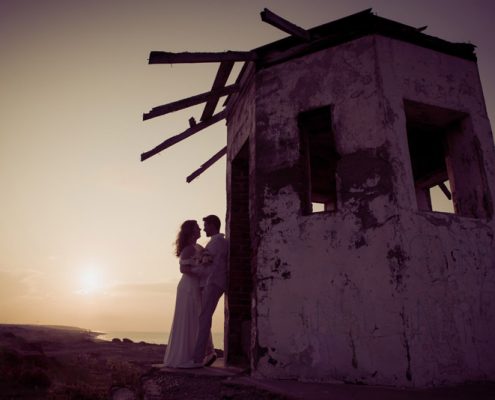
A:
(218, 250)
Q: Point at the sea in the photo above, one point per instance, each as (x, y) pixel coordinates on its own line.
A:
(152, 337)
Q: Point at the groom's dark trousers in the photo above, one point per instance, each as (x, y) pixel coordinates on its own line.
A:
(211, 295)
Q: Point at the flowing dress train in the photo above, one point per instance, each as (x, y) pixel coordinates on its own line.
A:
(184, 328)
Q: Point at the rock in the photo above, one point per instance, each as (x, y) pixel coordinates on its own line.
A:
(116, 340)
(151, 387)
(122, 393)
(126, 340)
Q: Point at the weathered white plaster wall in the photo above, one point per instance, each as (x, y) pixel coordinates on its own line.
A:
(375, 292)
(425, 76)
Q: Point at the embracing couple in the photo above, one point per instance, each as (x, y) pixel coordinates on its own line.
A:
(204, 280)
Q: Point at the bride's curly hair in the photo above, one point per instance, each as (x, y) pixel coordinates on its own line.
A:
(183, 236)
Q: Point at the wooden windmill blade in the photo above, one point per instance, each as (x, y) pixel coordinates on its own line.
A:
(207, 165)
(184, 135)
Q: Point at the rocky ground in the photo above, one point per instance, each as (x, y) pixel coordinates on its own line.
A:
(39, 362)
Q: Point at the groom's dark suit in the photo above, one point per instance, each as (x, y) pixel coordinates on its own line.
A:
(216, 285)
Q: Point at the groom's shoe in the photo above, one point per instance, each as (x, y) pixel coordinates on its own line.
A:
(210, 360)
(190, 365)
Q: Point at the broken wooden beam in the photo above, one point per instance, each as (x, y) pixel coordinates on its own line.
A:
(189, 102)
(273, 19)
(219, 82)
(207, 165)
(163, 57)
(445, 190)
(181, 136)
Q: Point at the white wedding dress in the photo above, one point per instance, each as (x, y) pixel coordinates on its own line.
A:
(184, 328)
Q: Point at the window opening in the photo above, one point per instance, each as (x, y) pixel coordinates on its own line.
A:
(317, 207)
(319, 160)
(428, 150)
(446, 163)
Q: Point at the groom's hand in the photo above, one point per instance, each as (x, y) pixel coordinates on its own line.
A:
(206, 258)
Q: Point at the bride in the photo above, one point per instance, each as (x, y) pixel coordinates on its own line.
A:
(184, 328)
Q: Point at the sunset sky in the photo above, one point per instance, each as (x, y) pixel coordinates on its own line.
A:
(86, 229)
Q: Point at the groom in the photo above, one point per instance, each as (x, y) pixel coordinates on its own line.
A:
(216, 285)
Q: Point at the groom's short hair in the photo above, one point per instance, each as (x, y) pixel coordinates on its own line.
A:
(213, 220)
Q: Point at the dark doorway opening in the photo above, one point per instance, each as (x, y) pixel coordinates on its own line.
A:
(240, 286)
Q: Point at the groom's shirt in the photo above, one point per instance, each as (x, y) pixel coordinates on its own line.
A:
(218, 247)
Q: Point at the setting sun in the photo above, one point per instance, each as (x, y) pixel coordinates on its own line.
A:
(90, 281)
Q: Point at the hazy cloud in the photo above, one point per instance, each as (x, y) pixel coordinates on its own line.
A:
(12, 286)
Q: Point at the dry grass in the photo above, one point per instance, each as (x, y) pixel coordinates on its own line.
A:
(53, 363)
(60, 363)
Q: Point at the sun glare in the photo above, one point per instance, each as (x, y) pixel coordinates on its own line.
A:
(90, 281)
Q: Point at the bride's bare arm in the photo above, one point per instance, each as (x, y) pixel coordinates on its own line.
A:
(186, 260)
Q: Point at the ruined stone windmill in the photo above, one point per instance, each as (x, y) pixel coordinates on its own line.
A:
(339, 266)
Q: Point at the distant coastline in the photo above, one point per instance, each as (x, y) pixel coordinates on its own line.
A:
(135, 336)
(53, 328)
(152, 337)
(59, 327)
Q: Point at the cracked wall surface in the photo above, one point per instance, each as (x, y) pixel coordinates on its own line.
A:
(376, 291)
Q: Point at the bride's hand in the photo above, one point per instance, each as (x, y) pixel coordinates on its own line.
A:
(206, 258)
